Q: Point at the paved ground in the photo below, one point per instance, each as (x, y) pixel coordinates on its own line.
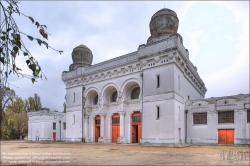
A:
(113, 154)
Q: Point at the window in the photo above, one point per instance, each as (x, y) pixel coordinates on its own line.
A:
(200, 118)
(73, 119)
(115, 120)
(188, 98)
(158, 113)
(114, 96)
(248, 115)
(179, 83)
(95, 100)
(136, 118)
(54, 126)
(64, 126)
(179, 113)
(135, 93)
(74, 97)
(158, 81)
(97, 121)
(226, 117)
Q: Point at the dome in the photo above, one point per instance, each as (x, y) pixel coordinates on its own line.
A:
(81, 56)
(164, 22)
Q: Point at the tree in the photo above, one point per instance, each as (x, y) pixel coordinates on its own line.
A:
(33, 103)
(12, 45)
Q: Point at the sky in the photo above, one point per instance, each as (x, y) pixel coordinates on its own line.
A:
(215, 33)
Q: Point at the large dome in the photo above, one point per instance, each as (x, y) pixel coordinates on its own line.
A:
(164, 22)
(81, 56)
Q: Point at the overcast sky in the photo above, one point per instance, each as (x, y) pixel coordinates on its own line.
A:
(215, 33)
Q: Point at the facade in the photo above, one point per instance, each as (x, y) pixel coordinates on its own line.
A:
(152, 95)
(46, 125)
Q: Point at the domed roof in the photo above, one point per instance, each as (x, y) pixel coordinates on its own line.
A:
(163, 22)
(81, 56)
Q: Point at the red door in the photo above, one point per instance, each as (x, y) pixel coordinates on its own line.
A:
(115, 127)
(97, 128)
(54, 136)
(136, 127)
(226, 136)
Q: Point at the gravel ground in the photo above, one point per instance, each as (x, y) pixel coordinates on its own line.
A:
(59, 153)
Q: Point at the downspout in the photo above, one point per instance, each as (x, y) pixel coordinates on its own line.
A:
(83, 103)
(142, 104)
(186, 111)
(60, 129)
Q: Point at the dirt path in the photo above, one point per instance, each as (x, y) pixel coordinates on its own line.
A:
(112, 154)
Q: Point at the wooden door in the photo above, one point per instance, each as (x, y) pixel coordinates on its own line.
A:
(54, 136)
(97, 127)
(133, 133)
(97, 133)
(115, 127)
(226, 136)
(139, 133)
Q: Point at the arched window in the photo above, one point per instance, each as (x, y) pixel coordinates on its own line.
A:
(135, 93)
(95, 100)
(114, 96)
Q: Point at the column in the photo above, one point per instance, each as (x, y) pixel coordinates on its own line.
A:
(86, 126)
(122, 126)
(102, 125)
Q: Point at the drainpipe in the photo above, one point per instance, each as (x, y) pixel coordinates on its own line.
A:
(60, 129)
(83, 103)
(142, 103)
(186, 111)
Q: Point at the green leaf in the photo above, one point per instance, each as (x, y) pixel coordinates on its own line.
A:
(37, 24)
(46, 44)
(13, 54)
(8, 30)
(2, 60)
(3, 38)
(27, 61)
(33, 80)
(16, 49)
(14, 35)
(3, 32)
(31, 19)
(18, 37)
(18, 43)
(45, 35)
(18, 68)
(30, 37)
(25, 54)
(7, 88)
(39, 41)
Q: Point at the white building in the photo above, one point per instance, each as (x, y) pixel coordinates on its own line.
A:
(46, 125)
(152, 95)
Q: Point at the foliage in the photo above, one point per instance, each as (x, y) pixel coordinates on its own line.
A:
(33, 103)
(12, 45)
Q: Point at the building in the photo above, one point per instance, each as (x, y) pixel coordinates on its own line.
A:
(46, 125)
(152, 95)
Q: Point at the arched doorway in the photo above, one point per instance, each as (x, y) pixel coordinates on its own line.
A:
(136, 127)
(97, 127)
(115, 127)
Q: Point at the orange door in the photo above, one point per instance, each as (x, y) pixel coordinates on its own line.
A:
(97, 127)
(54, 136)
(136, 127)
(139, 133)
(115, 127)
(97, 133)
(133, 133)
(226, 136)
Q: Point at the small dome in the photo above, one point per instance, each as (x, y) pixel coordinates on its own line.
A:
(81, 56)
(163, 22)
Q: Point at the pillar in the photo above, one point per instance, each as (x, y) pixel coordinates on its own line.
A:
(102, 125)
(122, 125)
(86, 126)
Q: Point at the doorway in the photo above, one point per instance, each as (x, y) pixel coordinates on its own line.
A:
(136, 127)
(54, 136)
(115, 127)
(97, 127)
(226, 136)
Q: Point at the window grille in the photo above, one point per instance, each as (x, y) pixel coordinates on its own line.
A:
(97, 122)
(114, 97)
(200, 118)
(226, 117)
(136, 118)
(135, 93)
(115, 120)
